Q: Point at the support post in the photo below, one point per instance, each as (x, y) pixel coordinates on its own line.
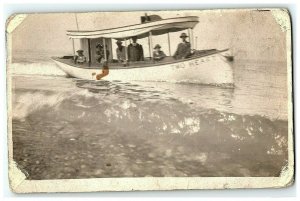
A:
(111, 52)
(150, 45)
(192, 36)
(190, 32)
(90, 54)
(73, 45)
(104, 47)
(169, 43)
(126, 54)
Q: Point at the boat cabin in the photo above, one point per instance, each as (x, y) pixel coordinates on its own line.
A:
(149, 27)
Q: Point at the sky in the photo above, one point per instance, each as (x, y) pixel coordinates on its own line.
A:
(249, 33)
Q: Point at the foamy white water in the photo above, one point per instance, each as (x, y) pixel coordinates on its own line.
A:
(84, 129)
(259, 88)
(38, 68)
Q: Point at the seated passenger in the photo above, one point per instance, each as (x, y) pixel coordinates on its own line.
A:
(135, 51)
(157, 53)
(80, 58)
(183, 49)
(120, 51)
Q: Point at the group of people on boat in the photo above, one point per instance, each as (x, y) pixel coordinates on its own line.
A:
(135, 51)
(183, 50)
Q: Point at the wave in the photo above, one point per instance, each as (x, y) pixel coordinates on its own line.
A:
(114, 115)
(94, 114)
(29, 103)
(38, 68)
(192, 82)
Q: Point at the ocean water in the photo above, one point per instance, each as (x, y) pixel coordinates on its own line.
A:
(70, 128)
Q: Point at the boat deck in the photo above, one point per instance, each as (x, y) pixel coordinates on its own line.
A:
(114, 64)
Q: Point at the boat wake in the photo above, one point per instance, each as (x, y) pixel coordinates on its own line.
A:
(86, 116)
(195, 82)
(36, 68)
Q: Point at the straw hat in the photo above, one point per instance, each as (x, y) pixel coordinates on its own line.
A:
(157, 46)
(183, 35)
(119, 42)
(99, 45)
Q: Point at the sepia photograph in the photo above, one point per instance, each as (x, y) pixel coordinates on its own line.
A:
(150, 100)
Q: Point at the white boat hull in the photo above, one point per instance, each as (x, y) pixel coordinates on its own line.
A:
(212, 69)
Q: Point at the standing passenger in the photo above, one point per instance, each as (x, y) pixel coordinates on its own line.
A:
(100, 53)
(183, 49)
(121, 55)
(135, 51)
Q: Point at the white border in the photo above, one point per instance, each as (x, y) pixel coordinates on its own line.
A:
(44, 8)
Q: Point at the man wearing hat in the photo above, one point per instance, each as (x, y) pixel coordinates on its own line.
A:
(158, 54)
(135, 51)
(120, 52)
(100, 53)
(183, 49)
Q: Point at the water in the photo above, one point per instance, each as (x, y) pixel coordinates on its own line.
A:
(71, 128)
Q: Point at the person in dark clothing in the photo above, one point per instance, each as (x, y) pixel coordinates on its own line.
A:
(135, 51)
(100, 53)
(183, 49)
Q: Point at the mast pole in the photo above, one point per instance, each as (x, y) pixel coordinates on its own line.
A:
(76, 22)
(73, 42)
(89, 49)
(169, 43)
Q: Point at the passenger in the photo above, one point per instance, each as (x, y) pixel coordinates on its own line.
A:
(121, 53)
(100, 53)
(80, 58)
(135, 51)
(183, 49)
(158, 54)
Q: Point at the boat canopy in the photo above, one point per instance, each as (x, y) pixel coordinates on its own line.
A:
(139, 30)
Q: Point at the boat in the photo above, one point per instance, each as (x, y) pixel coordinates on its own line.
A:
(210, 66)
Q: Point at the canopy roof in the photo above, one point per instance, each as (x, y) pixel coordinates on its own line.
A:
(140, 30)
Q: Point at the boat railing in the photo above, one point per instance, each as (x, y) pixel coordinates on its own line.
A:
(115, 64)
